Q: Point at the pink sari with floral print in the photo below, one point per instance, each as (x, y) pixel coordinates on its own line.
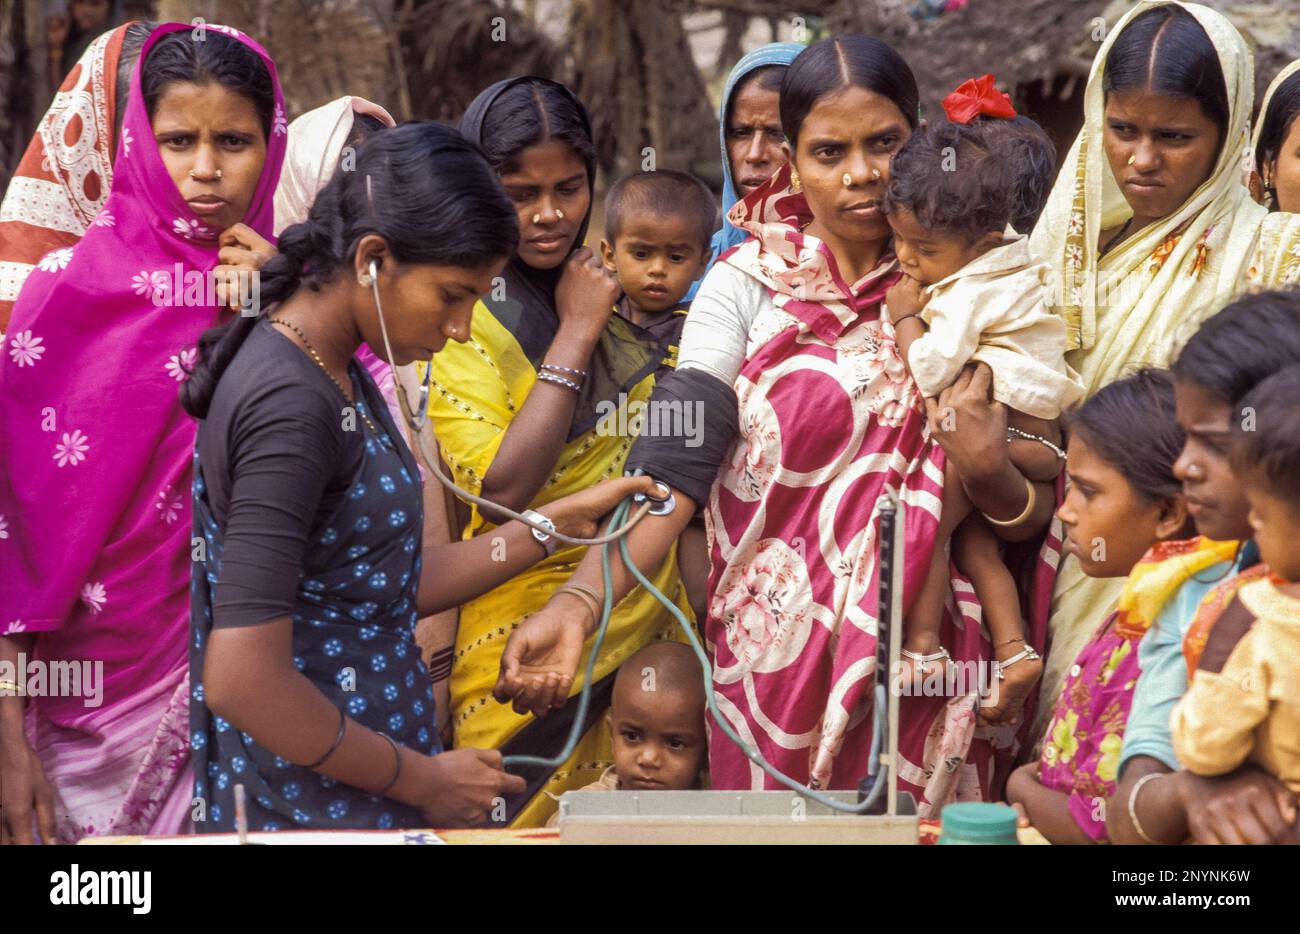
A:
(95, 470)
(829, 420)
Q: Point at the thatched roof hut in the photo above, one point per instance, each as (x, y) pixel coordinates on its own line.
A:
(1041, 50)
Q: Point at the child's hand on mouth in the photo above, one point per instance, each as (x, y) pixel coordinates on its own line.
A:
(904, 299)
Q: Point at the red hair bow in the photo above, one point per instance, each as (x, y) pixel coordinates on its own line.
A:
(976, 97)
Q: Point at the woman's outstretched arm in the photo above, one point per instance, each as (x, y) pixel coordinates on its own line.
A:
(541, 657)
(457, 572)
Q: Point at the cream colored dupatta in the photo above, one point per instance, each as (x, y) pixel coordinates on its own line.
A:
(1135, 305)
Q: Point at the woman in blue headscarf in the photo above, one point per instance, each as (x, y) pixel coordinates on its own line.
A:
(750, 130)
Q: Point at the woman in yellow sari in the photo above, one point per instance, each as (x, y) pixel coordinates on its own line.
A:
(530, 410)
(1150, 226)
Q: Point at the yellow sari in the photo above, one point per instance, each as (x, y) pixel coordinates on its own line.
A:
(1136, 305)
(477, 389)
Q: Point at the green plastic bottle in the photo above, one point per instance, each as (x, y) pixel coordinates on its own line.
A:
(978, 823)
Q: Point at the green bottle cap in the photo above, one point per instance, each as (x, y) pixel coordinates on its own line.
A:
(976, 822)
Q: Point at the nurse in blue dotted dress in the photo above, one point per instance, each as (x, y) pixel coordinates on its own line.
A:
(354, 609)
(308, 688)
(309, 571)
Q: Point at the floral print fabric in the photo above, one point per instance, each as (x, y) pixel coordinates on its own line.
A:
(828, 421)
(1081, 753)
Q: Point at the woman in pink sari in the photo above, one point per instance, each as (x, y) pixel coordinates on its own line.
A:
(96, 452)
(809, 417)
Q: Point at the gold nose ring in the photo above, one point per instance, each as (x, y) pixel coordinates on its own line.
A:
(537, 218)
(194, 174)
(848, 180)
(875, 173)
(559, 214)
(1132, 159)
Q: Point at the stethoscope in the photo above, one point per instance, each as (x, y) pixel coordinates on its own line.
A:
(873, 790)
(415, 421)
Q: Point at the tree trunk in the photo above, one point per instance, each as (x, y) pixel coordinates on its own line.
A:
(634, 69)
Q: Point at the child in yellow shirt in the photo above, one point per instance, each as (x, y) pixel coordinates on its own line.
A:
(1246, 706)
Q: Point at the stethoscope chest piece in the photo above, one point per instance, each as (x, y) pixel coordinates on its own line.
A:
(659, 505)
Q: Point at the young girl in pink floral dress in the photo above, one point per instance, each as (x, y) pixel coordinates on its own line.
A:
(1123, 499)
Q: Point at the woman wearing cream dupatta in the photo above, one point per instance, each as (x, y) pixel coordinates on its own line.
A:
(1135, 305)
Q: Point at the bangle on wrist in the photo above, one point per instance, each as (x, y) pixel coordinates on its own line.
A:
(593, 601)
(1132, 806)
(546, 376)
(1024, 515)
(561, 370)
(397, 772)
(338, 740)
(915, 314)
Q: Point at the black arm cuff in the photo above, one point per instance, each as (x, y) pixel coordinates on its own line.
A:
(706, 411)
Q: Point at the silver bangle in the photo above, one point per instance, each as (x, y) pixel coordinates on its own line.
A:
(564, 369)
(548, 377)
(1026, 436)
(1132, 806)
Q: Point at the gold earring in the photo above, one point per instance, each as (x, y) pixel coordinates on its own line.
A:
(1132, 159)
(364, 279)
(794, 179)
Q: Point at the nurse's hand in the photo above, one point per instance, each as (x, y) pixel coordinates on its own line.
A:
(464, 787)
(579, 514)
(541, 657)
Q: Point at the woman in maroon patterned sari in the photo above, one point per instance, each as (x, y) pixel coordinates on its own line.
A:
(809, 417)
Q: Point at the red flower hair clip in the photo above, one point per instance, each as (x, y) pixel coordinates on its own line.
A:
(977, 97)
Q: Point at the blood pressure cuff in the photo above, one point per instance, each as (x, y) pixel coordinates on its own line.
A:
(687, 428)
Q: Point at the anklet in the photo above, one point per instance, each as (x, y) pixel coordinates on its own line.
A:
(923, 661)
(1026, 653)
